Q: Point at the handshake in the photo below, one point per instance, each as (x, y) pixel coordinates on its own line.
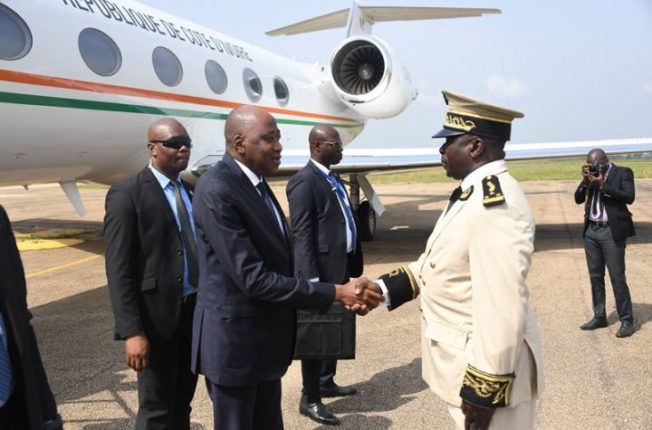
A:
(359, 295)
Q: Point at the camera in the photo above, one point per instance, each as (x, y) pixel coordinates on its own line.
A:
(595, 168)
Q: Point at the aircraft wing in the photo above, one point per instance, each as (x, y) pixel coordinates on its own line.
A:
(359, 160)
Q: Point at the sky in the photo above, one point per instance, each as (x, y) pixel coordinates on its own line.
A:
(578, 69)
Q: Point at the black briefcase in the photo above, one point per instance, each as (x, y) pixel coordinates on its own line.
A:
(325, 336)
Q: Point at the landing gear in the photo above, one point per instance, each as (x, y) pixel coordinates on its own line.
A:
(366, 221)
(366, 214)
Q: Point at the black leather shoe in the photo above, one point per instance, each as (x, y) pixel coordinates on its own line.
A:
(594, 323)
(318, 412)
(335, 390)
(626, 329)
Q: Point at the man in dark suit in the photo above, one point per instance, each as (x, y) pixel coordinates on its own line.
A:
(152, 272)
(244, 327)
(326, 248)
(26, 401)
(606, 190)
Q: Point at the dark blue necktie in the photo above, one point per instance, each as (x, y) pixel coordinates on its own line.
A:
(268, 202)
(5, 370)
(188, 236)
(341, 194)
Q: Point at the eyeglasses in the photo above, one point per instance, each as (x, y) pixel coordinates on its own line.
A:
(335, 143)
(175, 142)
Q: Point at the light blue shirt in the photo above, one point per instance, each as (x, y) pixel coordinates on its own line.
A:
(349, 227)
(168, 190)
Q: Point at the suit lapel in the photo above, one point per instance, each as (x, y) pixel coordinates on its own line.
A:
(248, 190)
(154, 189)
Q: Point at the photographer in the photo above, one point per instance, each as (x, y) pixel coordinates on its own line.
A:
(606, 190)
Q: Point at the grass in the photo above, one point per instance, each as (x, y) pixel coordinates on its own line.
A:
(526, 170)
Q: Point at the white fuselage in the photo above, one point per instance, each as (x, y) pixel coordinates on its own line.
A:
(62, 122)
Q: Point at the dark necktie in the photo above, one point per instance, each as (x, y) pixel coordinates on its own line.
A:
(5, 370)
(455, 196)
(268, 202)
(187, 235)
(341, 194)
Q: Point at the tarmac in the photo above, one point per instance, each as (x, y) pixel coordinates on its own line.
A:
(593, 379)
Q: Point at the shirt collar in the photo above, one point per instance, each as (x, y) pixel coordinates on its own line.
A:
(255, 179)
(321, 167)
(491, 168)
(160, 177)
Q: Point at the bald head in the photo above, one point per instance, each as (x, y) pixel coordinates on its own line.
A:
(241, 120)
(253, 138)
(325, 145)
(597, 155)
(163, 127)
(168, 145)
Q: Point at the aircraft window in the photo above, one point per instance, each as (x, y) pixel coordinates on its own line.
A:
(215, 77)
(252, 84)
(281, 91)
(167, 66)
(15, 37)
(99, 52)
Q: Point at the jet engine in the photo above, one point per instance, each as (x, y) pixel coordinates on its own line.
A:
(368, 78)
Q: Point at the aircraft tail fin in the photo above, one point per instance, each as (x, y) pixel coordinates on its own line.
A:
(359, 19)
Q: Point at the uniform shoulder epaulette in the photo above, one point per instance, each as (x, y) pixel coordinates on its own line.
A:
(492, 193)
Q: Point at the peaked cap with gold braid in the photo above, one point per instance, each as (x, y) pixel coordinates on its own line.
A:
(466, 115)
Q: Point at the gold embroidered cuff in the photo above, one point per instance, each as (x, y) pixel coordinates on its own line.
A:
(485, 389)
(401, 285)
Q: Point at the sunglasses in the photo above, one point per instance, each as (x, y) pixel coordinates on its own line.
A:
(175, 142)
(335, 143)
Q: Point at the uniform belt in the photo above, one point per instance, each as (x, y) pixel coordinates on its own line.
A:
(190, 299)
(599, 224)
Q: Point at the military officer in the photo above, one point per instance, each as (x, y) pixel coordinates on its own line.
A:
(480, 343)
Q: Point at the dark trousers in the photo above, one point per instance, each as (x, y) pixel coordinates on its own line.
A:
(256, 407)
(13, 415)
(315, 373)
(166, 388)
(601, 250)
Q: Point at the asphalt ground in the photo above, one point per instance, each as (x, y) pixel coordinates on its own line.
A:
(593, 379)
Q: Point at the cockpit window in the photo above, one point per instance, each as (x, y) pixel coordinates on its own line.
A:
(281, 91)
(167, 66)
(15, 37)
(252, 84)
(99, 52)
(215, 77)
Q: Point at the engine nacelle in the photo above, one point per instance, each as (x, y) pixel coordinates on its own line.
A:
(367, 77)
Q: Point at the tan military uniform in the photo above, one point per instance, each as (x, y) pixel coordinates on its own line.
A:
(478, 332)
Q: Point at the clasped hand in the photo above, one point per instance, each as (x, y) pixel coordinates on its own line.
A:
(359, 295)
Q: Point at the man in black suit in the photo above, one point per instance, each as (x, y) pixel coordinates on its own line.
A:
(26, 401)
(244, 327)
(152, 272)
(326, 248)
(606, 190)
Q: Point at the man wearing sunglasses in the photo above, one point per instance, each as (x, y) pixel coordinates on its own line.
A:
(152, 273)
(326, 249)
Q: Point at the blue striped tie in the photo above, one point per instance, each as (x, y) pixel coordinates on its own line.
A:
(345, 205)
(5, 371)
(269, 204)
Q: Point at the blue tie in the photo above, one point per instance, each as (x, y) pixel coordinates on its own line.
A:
(345, 205)
(5, 371)
(268, 202)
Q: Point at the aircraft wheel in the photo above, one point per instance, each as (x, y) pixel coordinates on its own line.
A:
(366, 221)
